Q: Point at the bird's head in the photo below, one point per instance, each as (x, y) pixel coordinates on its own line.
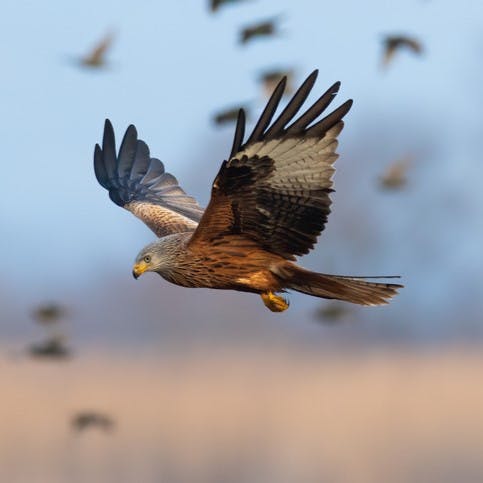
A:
(149, 259)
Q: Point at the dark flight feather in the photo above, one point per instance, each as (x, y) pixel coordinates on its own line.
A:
(267, 113)
(139, 183)
(292, 107)
(239, 132)
(275, 189)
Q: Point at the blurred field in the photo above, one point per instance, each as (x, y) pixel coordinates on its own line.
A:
(247, 416)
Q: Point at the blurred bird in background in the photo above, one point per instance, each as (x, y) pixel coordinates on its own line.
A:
(51, 316)
(266, 28)
(270, 78)
(395, 175)
(229, 115)
(332, 312)
(49, 313)
(96, 58)
(92, 419)
(394, 43)
(53, 348)
(216, 4)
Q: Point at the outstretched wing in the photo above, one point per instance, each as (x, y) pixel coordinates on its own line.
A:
(139, 183)
(275, 187)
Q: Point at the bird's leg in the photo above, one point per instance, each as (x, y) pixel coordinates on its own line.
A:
(275, 303)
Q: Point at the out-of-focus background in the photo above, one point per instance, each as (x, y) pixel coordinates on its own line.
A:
(107, 379)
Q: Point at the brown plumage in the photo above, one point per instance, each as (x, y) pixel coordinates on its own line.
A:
(393, 43)
(269, 203)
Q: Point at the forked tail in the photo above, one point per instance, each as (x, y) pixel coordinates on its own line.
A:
(356, 290)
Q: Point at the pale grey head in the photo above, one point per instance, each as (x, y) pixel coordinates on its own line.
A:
(159, 256)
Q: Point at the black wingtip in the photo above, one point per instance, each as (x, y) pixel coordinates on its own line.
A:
(127, 152)
(132, 128)
(347, 106)
(99, 168)
(314, 74)
(293, 106)
(281, 85)
(108, 140)
(108, 125)
(268, 112)
(335, 87)
(239, 132)
(331, 120)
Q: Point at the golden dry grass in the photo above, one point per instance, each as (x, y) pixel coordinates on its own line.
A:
(247, 416)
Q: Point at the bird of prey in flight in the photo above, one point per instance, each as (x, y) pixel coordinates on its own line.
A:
(269, 203)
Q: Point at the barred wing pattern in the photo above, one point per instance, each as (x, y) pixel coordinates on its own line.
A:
(137, 182)
(275, 187)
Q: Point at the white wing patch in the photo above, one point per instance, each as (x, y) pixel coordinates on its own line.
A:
(300, 163)
(162, 221)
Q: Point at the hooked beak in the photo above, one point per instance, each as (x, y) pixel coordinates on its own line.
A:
(139, 269)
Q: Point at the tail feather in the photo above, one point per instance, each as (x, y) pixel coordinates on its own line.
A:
(349, 289)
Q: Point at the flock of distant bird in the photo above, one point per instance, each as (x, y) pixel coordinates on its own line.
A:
(52, 317)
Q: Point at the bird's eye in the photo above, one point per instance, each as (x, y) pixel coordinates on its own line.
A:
(147, 259)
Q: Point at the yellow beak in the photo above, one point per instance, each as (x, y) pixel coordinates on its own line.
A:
(139, 269)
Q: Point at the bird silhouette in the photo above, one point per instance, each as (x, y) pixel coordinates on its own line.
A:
(332, 312)
(394, 43)
(216, 4)
(265, 28)
(270, 78)
(395, 175)
(52, 348)
(96, 58)
(49, 313)
(228, 115)
(92, 419)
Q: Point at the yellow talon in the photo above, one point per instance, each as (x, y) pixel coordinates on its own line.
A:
(275, 303)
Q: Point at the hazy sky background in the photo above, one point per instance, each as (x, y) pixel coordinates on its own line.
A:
(171, 66)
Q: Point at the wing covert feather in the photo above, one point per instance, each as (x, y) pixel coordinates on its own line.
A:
(275, 189)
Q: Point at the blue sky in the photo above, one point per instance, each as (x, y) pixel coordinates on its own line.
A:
(172, 65)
